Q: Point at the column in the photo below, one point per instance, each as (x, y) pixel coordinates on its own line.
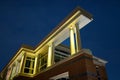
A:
(17, 67)
(22, 63)
(36, 65)
(50, 59)
(72, 41)
(77, 36)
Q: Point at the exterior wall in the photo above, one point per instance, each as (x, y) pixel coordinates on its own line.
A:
(100, 68)
(77, 67)
(101, 72)
(80, 67)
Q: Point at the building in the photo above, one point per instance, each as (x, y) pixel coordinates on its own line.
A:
(50, 60)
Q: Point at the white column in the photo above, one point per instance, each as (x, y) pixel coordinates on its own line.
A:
(77, 36)
(17, 67)
(50, 59)
(36, 65)
(22, 63)
(72, 41)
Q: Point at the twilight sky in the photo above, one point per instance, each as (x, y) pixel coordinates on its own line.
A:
(29, 21)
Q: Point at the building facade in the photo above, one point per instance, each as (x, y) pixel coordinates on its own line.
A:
(50, 60)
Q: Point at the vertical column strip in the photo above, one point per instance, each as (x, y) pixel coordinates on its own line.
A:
(50, 60)
(36, 61)
(72, 41)
(77, 36)
(23, 63)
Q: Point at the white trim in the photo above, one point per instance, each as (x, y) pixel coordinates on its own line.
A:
(63, 75)
(99, 60)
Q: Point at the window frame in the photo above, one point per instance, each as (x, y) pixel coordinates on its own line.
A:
(31, 66)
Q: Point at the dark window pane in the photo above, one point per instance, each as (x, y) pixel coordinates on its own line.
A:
(32, 71)
(28, 57)
(45, 59)
(27, 63)
(43, 67)
(33, 65)
(42, 61)
(26, 70)
(33, 58)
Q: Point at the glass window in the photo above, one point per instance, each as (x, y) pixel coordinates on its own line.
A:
(29, 65)
(42, 61)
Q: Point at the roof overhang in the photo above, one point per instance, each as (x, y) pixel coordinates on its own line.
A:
(61, 32)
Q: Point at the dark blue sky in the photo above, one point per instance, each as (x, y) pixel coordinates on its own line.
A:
(29, 21)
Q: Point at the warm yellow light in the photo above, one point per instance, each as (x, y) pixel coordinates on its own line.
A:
(78, 40)
(21, 64)
(72, 41)
(50, 56)
(35, 68)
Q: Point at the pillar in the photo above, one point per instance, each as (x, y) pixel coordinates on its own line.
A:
(36, 65)
(72, 41)
(22, 63)
(77, 36)
(17, 66)
(50, 59)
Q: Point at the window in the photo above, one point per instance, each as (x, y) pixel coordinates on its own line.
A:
(43, 61)
(29, 65)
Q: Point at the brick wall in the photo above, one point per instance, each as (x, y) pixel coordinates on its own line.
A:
(79, 66)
